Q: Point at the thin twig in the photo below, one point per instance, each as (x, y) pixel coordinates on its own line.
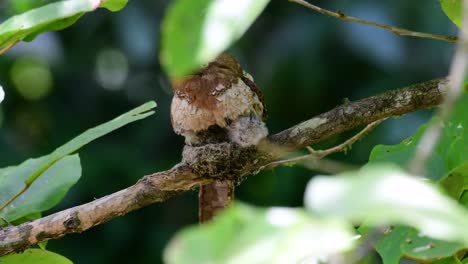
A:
(457, 74)
(319, 154)
(5, 49)
(328, 166)
(395, 30)
(25, 188)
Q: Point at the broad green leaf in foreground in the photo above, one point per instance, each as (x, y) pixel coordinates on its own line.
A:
(248, 235)
(194, 32)
(54, 16)
(46, 192)
(2, 94)
(451, 260)
(59, 173)
(450, 153)
(35, 256)
(447, 165)
(402, 241)
(384, 194)
(453, 9)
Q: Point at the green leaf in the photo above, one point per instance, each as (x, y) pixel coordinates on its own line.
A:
(45, 193)
(401, 154)
(422, 247)
(194, 32)
(54, 16)
(453, 9)
(55, 173)
(450, 153)
(384, 194)
(448, 164)
(456, 182)
(114, 5)
(26, 218)
(389, 245)
(244, 234)
(21, 6)
(35, 256)
(451, 260)
(89, 135)
(406, 241)
(464, 199)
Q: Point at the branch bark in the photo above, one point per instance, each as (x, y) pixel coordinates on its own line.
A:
(150, 189)
(203, 165)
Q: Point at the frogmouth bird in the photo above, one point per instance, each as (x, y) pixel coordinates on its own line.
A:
(219, 103)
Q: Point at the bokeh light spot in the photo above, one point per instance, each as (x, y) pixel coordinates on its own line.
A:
(111, 69)
(32, 78)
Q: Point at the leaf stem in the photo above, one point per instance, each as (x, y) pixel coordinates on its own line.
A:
(13, 198)
(5, 49)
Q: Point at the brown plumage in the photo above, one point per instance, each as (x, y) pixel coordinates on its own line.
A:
(219, 103)
(212, 105)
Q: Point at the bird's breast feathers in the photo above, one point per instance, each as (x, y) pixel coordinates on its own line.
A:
(221, 105)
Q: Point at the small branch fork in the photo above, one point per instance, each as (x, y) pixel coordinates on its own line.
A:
(161, 186)
(395, 30)
(320, 154)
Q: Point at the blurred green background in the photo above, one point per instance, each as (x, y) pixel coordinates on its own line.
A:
(306, 63)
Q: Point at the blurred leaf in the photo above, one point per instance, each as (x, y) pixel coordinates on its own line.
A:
(54, 16)
(46, 192)
(384, 194)
(450, 153)
(448, 164)
(422, 247)
(194, 32)
(35, 256)
(406, 241)
(452, 260)
(453, 9)
(389, 245)
(114, 5)
(464, 199)
(456, 182)
(248, 235)
(20, 6)
(57, 173)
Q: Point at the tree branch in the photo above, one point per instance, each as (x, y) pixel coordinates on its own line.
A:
(395, 30)
(348, 116)
(202, 165)
(150, 189)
